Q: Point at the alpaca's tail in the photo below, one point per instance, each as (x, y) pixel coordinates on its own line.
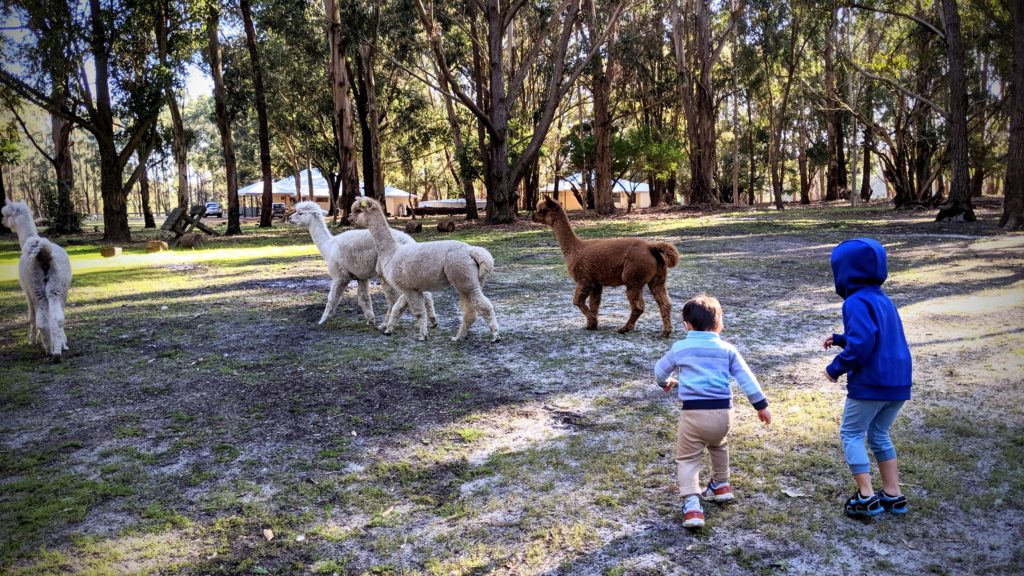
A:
(666, 253)
(39, 251)
(484, 261)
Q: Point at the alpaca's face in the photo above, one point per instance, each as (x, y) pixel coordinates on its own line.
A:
(361, 212)
(301, 217)
(546, 211)
(10, 214)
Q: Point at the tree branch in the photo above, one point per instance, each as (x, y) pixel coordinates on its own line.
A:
(14, 110)
(435, 43)
(42, 100)
(920, 21)
(900, 89)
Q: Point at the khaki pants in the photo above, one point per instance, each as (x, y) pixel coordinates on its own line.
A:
(700, 429)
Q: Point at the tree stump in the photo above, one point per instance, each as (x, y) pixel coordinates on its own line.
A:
(110, 251)
(156, 246)
(446, 226)
(190, 240)
(413, 227)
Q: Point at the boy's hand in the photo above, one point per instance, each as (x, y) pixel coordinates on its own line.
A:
(828, 343)
(672, 383)
(764, 415)
(829, 377)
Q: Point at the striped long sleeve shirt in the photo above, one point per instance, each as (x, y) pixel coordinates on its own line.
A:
(705, 363)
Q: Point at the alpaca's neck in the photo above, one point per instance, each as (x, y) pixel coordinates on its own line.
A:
(382, 238)
(26, 228)
(321, 236)
(567, 239)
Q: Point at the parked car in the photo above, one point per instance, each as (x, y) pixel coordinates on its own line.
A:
(277, 209)
(214, 210)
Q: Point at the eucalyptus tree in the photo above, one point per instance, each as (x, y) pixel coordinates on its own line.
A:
(341, 84)
(697, 54)
(1013, 187)
(215, 56)
(496, 83)
(117, 41)
(9, 154)
(648, 93)
(260, 97)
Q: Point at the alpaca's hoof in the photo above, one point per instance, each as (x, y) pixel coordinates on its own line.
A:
(422, 338)
(433, 322)
(321, 322)
(625, 329)
(591, 326)
(495, 338)
(456, 338)
(382, 327)
(55, 358)
(387, 331)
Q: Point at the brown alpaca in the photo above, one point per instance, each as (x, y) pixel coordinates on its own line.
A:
(594, 264)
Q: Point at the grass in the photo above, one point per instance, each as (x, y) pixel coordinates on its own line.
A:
(201, 404)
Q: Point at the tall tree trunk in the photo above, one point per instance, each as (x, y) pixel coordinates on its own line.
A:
(695, 59)
(865, 184)
(223, 121)
(603, 71)
(3, 199)
(147, 212)
(832, 127)
(367, 58)
(753, 155)
(179, 148)
(960, 188)
(343, 122)
(801, 156)
(266, 213)
(1013, 187)
(64, 221)
(460, 153)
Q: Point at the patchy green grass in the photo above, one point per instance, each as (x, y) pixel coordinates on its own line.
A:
(201, 405)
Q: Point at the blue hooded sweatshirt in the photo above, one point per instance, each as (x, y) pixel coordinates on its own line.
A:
(875, 355)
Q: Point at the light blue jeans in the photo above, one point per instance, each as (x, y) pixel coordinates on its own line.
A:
(870, 418)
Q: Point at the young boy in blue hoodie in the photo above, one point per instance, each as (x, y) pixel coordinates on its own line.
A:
(705, 363)
(876, 361)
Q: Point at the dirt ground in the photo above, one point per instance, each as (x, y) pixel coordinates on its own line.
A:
(201, 410)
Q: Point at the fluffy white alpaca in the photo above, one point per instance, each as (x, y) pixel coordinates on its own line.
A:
(44, 271)
(429, 266)
(350, 256)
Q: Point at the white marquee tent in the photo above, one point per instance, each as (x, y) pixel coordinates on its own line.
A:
(620, 188)
(398, 201)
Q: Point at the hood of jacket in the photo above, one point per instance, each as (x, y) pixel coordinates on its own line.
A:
(858, 263)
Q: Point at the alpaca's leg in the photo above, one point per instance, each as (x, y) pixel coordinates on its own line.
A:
(660, 293)
(31, 322)
(43, 324)
(483, 305)
(392, 296)
(333, 297)
(57, 340)
(579, 298)
(635, 295)
(468, 316)
(365, 302)
(418, 309)
(394, 313)
(428, 300)
(595, 301)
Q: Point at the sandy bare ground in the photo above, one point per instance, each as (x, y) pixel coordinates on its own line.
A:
(201, 405)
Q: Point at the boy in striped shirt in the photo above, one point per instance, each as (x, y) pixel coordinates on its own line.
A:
(705, 363)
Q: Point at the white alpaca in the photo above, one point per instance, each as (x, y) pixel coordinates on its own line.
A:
(350, 256)
(415, 269)
(44, 271)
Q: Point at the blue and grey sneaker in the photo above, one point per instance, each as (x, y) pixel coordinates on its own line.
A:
(861, 507)
(894, 504)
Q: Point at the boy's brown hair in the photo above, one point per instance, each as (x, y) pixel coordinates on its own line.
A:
(704, 313)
